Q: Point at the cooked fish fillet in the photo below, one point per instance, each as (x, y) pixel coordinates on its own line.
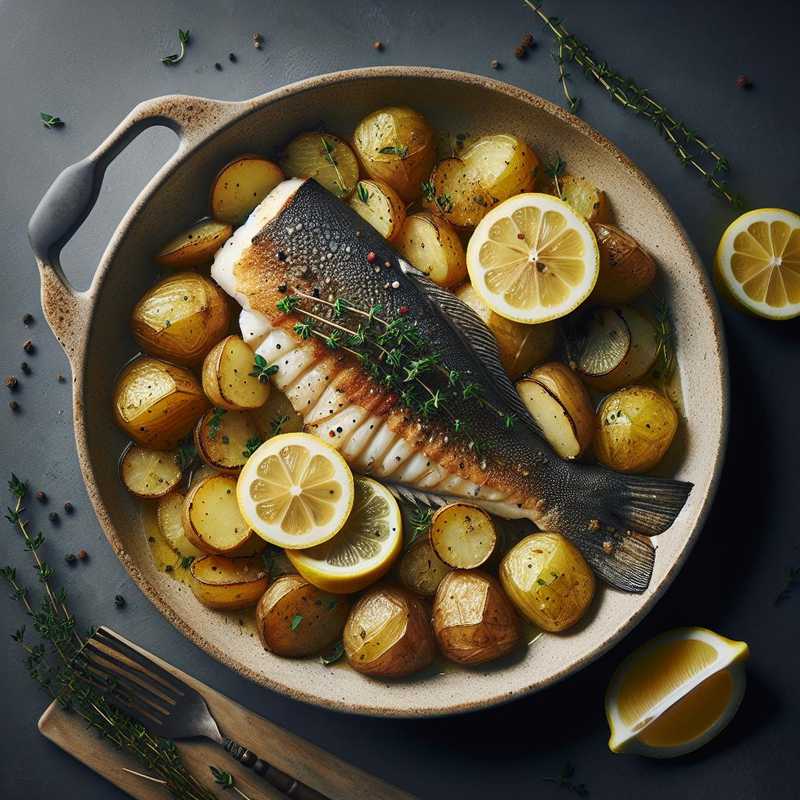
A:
(302, 242)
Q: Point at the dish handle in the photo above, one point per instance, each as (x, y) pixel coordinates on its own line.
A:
(72, 195)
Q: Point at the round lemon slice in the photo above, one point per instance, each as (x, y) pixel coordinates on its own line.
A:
(757, 265)
(295, 491)
(364, 548)
(675, 693)
(533, 259)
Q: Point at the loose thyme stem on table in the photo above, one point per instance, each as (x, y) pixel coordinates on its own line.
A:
(626, 92)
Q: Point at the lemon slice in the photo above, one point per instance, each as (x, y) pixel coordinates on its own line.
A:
(532, 258)
(295, 491)
(364, 548)
(757, 266)
(675, 693)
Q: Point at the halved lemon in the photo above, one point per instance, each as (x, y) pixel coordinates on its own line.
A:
(675, 693)
(364, 548)
(532, 258)
(757, 265)
(295, 491)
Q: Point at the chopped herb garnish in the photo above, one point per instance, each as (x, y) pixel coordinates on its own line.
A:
(276, 426)
(333, 655)
(395, 150)
(555, 169)
(252, 444)
(288, 304)
(445, 203)
(362, 194)
(420, 519)
(49, 121)
(262, 370)
(186, 562)
(214, 423)
(183, 40)
(296, 620)
(186, 455)
(224, 779)
(428, 191)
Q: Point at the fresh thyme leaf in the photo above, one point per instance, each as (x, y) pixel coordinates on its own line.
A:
(395, 150)
(288, 304)
(276, 426)
(252, 444)
(183, 40)
(555, 169)
(445, 203)
(262, 370)
(303, 329)
(665, 344)
(296, 620)
(186, 455)
(214, 423)
(332, 655)
(327, 151)
(428, 191)
(186, 562)
(420, 519)
(362, 194)
(223, 778)
(49, 121)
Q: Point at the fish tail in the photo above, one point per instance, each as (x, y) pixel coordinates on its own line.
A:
(650, 505)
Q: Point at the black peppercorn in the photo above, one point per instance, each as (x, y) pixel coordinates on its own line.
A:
(27, 319)
(68, 508)
(218, 67)
(71, 559)
(119, 601)
(14, 406)
(54, 518)
(25, 367)
(232, 58)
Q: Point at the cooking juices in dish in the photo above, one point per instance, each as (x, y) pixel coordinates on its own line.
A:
(357, 325)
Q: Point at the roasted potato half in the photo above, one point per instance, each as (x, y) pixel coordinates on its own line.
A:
(505, 165)
(228, 584)
(420, 569)
(325, 158)
(241, 185)
(429, 243)
(473, 619)
(560, 406)
(379, 205)
(157, 403)
(626, 268)
(388, 634)
(635, 427)
(169, 514)
(196, 246)
(548, 581)
(296, 619)
(276, 416)
(463, 536)
(149, 473)
(227, 381)
(211, 518)
(455, 191)
(181, 318)
(396, 145)
(521, 346)
(584, 198)
(226, 439)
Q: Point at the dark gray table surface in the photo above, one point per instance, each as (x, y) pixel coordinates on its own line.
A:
(90, 61)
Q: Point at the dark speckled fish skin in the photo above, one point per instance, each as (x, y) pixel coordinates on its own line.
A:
(317, 243)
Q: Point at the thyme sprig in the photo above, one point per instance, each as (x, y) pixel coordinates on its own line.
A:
(227, 781)
(262, 370)
(666, 360)
(49, 121)
(564, 780)
(215, 422)
(555, 169)
(276, 426)
(328, 154)
(420, 523)
(690, 148)
(175, 58)
(55, 661)
(251, 445)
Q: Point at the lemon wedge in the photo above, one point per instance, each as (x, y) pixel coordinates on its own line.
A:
(532, 258)
(675, 693)
(295, 491)
(364, 548)
(757, 265)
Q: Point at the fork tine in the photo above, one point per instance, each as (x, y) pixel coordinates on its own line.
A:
(111, 640)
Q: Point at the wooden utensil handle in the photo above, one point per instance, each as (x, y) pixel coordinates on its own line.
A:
(280, 780)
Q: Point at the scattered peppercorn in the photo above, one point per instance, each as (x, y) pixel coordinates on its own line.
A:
(377, 45)
(25, 367)
(82, 554)
(119, 601)
(371, 257)
(14, 406)
(258, 40)
(28, 347)
(27, 319)
(11, 383)
(495, 64)
(743, 82)
(41, 496)
(168, 568)
(218, 66)
(232, 58)
(61, 378)
(282, 288)
(68, 508)
(520, 52)
(54, 518)
(528, 40)
(70, 558)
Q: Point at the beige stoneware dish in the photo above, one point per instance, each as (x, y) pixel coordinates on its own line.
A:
(92, 327)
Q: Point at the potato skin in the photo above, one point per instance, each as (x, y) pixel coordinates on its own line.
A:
(635, 427)
(228, 584)
(585, 198)
(408, 145)
(250, 392)
(157, 403)
(195, 246)
(505, 164)
(548, 581)
(626, 268)
(380, 206)
(431, 244)
(241, 185)
(473, 620)
(290, 597)
(420, 570)
(388, 634)
(181, 318)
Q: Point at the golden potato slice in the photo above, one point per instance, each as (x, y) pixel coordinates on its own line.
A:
(194, 247)
(548, 580)
(430, 244)
(463, 536)
(626, 268)
(560, 406)
(505, 165)
(157, 403)
(149, 473)
(420, 570)
(473, 620)
(181, 318)
(521, 346)
(169, 514)
(228, 584)
(396, 145)
(584, 197)
(241, 185)
(325, 158)
(388, 634)
(635, 427)
(379, 205)
(226, 376)
(211, 517)
(455, 191)
(295, 619)
(226, 439)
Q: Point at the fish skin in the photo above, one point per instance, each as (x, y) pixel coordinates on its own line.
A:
(312, 242)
